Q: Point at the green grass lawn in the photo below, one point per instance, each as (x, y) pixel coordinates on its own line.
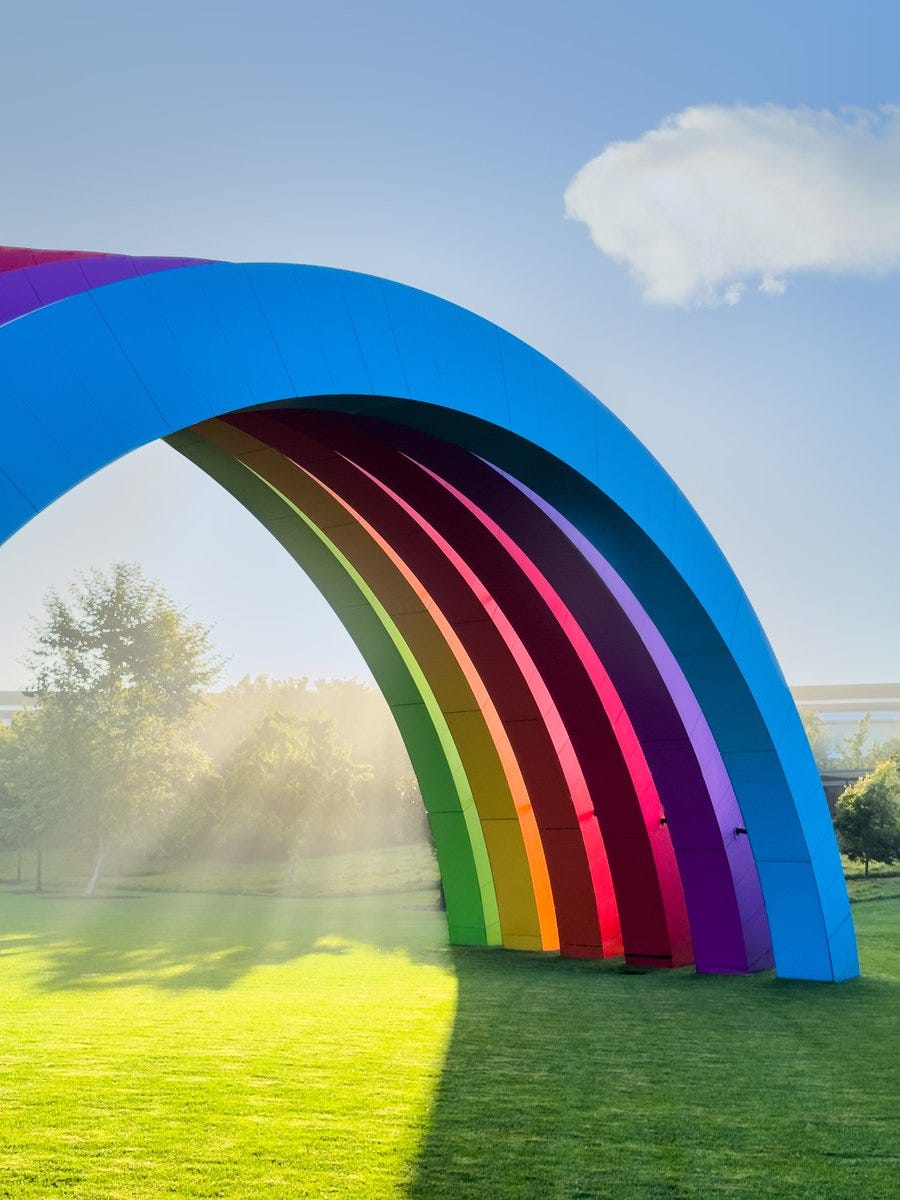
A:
(196, 1044)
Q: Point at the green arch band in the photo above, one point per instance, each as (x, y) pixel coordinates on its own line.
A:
(472, 914)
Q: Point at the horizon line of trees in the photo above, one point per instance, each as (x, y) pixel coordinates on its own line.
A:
(128, 752)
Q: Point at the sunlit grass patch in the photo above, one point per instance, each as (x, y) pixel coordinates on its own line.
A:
(216, 1046)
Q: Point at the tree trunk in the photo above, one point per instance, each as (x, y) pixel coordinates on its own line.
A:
(296, 851)
(38, 869)
(19, 866)
(292, 866)
(866, 868)
(95, 877)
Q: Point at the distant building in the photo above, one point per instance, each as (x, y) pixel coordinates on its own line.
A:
(11, 703)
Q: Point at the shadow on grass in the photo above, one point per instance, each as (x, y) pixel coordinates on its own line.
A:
(569, 1081)
(180, 941)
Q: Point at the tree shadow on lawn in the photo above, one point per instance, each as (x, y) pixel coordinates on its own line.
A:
(184, 941)
(567, 1080)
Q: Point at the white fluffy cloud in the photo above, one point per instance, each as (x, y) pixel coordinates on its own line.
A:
(718, 199)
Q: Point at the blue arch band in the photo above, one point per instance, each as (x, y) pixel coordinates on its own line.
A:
(95, 375)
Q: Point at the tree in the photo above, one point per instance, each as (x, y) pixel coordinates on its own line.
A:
(887, 749)
(819, 740)
(293, 775)
(37, 770)
(13, 827)
(119, 674)
(852, 754)
(390, 809)
(867, 817)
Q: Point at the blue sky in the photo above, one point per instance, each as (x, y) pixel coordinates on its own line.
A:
(434, 144)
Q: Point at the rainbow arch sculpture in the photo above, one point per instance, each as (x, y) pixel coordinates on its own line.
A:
(608, 753)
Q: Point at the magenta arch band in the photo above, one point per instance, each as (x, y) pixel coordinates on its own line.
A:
(503, 619)
(728, 926)
(607, 575)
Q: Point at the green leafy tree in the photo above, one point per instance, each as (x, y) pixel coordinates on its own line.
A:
(38, 770)
(120, 672)
(13, 829)
(295, 777)
(390, 810)
(10, 831)
(852, 754)
(867, 817)
(819, 741)
(890, 748)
